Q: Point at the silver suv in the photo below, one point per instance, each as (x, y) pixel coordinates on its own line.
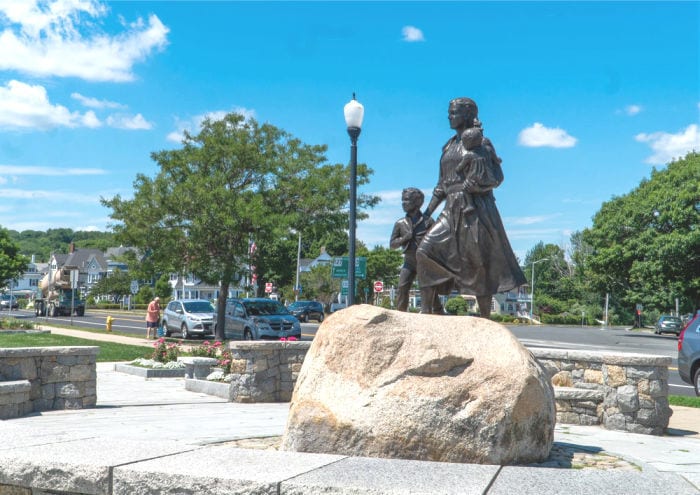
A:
(259, 318)
(689, 353)
(189, 317)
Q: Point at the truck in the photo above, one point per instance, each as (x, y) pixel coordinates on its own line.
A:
(56, 297)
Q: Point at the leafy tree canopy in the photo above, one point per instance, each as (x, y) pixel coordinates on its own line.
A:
(646, 244)
(235, 181)
(12, 263)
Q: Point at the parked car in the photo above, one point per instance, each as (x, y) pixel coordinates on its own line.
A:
(689, 353)
(668, 324)
(6, 300)
(307, 310)
(336, 307)
(189, 317)
(259, 318)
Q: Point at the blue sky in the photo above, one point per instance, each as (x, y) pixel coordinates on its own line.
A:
(581, 99)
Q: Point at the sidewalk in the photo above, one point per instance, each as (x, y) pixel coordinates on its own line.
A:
(153, 436)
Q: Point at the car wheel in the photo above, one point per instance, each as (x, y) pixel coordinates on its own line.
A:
(183, 331)
(52, 310)
(166, 331)
(656, 331)
(696, 382)
(247, 335)
(320, 318)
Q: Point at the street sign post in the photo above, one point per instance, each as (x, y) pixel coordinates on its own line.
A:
(378, 286)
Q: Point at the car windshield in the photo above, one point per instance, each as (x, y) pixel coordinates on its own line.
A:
(199, 307)
(671, 319)
(257, 308)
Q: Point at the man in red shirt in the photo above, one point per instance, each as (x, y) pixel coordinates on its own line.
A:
(153, 318)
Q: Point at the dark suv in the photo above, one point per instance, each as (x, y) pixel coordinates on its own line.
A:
(689, 353)
(307, 310)
(259, 318)
(668, 324)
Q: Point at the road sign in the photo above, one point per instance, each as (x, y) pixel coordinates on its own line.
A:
(339, 267)
(378, 286)
(134, 287)
(344, 287)
(268, 287)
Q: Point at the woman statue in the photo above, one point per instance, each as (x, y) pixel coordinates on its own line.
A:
(467, 248)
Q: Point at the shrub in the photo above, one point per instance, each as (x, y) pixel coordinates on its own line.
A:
(13, 323)
(457, 306)
(164, 352)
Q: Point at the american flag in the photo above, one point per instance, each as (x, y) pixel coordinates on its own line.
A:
(252, 247)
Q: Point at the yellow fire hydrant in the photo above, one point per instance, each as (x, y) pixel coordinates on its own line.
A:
(108, 323)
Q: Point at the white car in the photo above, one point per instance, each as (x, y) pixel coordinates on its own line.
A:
(189, 317)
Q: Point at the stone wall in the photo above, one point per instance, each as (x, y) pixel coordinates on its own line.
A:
(59, 378)
(265, 371)
(619, 391)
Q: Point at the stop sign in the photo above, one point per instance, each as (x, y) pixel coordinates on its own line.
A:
(378, 286)
(268, 287)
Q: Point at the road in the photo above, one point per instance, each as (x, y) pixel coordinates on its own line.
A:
(563, 337)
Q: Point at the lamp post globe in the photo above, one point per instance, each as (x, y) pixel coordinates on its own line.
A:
(354, 113)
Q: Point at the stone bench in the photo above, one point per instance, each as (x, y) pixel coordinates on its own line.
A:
(578, 406)
(15, 399)
(634, 388)
(60, 377)
(197, 368)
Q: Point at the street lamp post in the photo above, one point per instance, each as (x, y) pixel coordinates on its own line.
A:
(354, 112)
(532, 289)
(296, 287)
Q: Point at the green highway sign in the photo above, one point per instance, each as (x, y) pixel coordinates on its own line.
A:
(339, 267)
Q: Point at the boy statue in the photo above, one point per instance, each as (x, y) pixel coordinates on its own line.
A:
(407, 234)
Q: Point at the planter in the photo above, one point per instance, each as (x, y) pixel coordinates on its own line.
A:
(149, 372)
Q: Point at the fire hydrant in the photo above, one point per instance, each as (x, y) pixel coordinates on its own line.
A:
(108, 323)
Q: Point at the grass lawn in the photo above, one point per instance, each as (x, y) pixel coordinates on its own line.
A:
(109, 351)
(681, 400)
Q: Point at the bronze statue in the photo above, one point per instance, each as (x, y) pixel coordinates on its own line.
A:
(467, 248)
(407, 234)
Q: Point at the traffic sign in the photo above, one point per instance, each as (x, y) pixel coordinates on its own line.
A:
(268, 287)
(378, 286)
(134, 287)
(344, 285)
(339, 267)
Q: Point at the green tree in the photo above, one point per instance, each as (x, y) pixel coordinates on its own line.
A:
(12, 263)
(117, 284)
(646, 244)
(383, 264)
(234, 181)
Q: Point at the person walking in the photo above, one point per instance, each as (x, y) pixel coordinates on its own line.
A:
(153, 318)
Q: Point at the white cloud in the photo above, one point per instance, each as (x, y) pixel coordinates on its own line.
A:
(26, 106)
(48, 171)
(412, 34)
(61, 38)
(531, 220)
(538, 136)
(131, 123)
(633, 109)
(194, 124)
(90, 102)
(667, 147)
(61, 196)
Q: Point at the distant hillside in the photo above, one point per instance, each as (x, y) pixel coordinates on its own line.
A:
(42, 244)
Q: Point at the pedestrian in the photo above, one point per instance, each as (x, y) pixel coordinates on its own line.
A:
(153, 318)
